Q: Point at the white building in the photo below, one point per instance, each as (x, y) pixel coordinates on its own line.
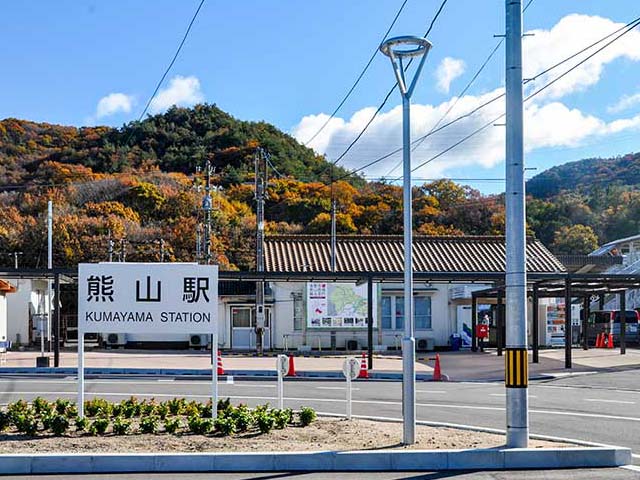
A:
(24, 308)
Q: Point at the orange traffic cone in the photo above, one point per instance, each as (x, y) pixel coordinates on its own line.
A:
(610, 342)
(364, 372)
(220, 367)
(437, 374)
(292, 367)
(599, 341)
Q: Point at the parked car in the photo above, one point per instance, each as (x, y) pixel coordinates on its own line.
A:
(608, 321)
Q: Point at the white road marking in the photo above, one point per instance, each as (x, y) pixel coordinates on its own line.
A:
(430, 391)
(504, 395)
(633, 468)
(608, 401)
(166, 380)
(230, 379)
(143, 382)
(336, 388)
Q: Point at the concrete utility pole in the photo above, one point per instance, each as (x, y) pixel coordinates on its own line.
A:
(399, 49)
(49, 266)
(516, 367)
(260, 196)
(206, 207)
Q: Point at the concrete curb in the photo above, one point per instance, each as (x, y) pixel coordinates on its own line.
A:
(181, 372)
(323, 461)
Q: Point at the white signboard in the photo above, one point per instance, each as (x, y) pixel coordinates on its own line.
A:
(147, 298)
(337, 305)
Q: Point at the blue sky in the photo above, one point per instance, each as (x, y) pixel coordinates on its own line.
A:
(289, 62)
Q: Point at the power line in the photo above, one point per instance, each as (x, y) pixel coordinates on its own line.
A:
(355, 84)
(628, 26)
(173, 60)
(386, 98)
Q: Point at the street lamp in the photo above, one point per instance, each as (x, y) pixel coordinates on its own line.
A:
(400, 49)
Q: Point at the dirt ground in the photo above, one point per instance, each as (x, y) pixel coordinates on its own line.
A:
(324, 434)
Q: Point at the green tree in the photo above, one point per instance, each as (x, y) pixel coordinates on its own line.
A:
(575, 240)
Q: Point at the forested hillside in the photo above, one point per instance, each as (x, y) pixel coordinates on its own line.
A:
(137, 183)
(136, 186)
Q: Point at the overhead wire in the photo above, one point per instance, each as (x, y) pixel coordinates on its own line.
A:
(355, 84)
(629, 26)
(173, 60)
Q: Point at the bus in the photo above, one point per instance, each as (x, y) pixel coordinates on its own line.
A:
(608, 321)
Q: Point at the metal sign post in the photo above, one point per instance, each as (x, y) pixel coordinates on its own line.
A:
(282, 366)
(214, 375)
(156, 298)
(350, 369)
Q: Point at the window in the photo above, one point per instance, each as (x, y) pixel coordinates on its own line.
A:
(392, 307)
(241, 317)
(298, 311)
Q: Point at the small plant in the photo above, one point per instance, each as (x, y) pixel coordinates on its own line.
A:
(71, 411)
(225, 425)
(307, 416)
(198, 425)
(172, 425)
(243, 418)
(130, 407)
(282, 417)
(162, 410)
(97, 407)
(26, 423)
(42, 407)
(116, 409)
(81, 424)
(149, 424)
(121, 426)
(148, 408)
(5, 420)
(62, 406)
(265, 421)
(99, 426)
(58, 424)
(17, 408)
(224, 404)
(176, 406)
(191, 409)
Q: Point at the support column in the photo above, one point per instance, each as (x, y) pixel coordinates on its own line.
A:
(474, 322)
(56, 320)
(623, 322)
(370, 322)
(601, 301)
(585, 322)
(499, 324)
(536, 325)
(567, 323)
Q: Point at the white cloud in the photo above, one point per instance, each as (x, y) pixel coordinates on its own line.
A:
(114, 103)
(448, 70)
(549, 122)
(625, 102)
(182, 91)
(570, 35)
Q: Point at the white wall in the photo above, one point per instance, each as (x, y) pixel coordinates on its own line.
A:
(3, 318)
(22, 304)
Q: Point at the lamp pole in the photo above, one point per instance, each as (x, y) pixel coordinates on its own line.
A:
(516, 363)
(399, 49)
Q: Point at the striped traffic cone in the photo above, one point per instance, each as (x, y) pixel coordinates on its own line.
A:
(610, 342)
(220, 367)
(364, 372)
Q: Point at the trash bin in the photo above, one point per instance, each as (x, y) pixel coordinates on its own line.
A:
(456, 342)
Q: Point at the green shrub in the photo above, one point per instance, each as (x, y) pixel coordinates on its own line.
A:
(26, 423)
(282, 417)
(198, 425)
(82, 423)
(58, 424)
(117, 409)
(71, 411)
(307, 416)
(130, 407)
(62, 406)
(243, 418)
(5, 420)
(162, 410)
(176, 406)
(42, 407)
(97, 407)
(148, 408)
(192, 408)
(225, 425)
(99, 426)
(172, 425)
(265, 421)
(17, 408)
(121, 426)
(224, 404)
(149, 424)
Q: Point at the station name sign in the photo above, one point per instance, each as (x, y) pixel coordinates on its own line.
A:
(147, 298)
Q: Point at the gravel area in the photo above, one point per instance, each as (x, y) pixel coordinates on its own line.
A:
(324, 434)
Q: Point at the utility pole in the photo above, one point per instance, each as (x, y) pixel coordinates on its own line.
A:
(516, 367)
(49, 266)
(206, 207)
(110, 248)
(260, 158)
(399, 49)
(333, 225)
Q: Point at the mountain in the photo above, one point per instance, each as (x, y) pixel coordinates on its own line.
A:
(584, 175)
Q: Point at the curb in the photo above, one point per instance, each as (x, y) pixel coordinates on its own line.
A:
(323, 461)
(176, 372)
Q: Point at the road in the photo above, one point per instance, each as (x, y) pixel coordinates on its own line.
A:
(600, 408)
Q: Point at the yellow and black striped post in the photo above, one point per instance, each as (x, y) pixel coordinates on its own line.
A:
(516, 368)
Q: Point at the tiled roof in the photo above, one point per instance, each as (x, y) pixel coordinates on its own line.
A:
(6, 287)
(385, 253)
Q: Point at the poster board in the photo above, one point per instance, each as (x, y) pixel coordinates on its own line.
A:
(338, 305)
